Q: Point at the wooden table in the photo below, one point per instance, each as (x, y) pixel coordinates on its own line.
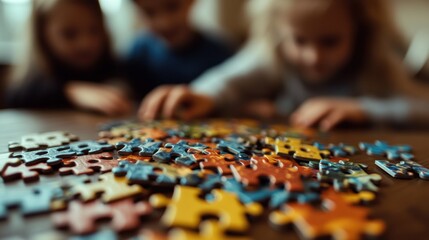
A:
(402, 204)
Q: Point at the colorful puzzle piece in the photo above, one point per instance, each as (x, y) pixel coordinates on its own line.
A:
(6, 160)
(112, 189)
(81, 217)
(88, 164)
(380, 148)
(151, 173)
(26, 173)
(91, 147)
(238, 149)
(219, 163)
(290, 174)
(180, 153)
(404, 169)
(340, 150)
(224, 205)
(144, 148)
(210, 230)
(42, 140)
(295, 148)
(51, 156)
(336, 218)
(347, 174)
(34, 200)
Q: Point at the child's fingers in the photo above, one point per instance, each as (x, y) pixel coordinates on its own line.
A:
(309, 115)
(331, 120)
(153, 102)
(174, 101)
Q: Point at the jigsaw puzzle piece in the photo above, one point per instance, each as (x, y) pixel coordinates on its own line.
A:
(212, 160)
(151, 173)
(31, 201)
(288, 173)
(81, 217)
(209, 230)
(347, 174)
(232, 185)
(144, 133)
(180, 153)
(295, 148)
(311, 193)
(7, 160)
(393, 152)
(26, 173)
(42, 140)
(106, 234)
(226, 206)
(91, 147)
(88, 164)
(241, 151)
(145, 148)
(335, 218)
(404, 169)
(112, 188)
(421, 171)
(340, 150)
(51, 156)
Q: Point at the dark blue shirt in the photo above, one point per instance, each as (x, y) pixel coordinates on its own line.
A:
(151, 63)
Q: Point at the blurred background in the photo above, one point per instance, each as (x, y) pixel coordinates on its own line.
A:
(224, 18)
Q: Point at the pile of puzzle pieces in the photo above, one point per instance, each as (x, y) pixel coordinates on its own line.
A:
(201, 180)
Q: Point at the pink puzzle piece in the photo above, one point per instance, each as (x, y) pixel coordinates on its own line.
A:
(81, 218)
(88, 164)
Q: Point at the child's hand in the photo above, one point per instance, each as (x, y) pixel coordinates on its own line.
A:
(98, 97)
(328, 112)
(175, 102)
(262, 109)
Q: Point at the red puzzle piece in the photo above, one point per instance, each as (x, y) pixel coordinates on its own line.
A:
(87, 164)
(27, 173)
(212, 160)
(6, 160)
(81, 217)
(286, 172)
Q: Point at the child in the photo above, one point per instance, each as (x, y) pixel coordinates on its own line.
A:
(320, 62)
(171, 51)
(68, 61)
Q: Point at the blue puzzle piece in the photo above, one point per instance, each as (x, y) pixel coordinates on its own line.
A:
(90, 147)
(395, 170)
(238, 149)
(393, 152)
(232, 185)
(146, 148)
(31, 201)
(344, 175)
(147, 173)
(51, 156)
(340, 150)
(180, 153)
(311, 194)
(100, 235)
(417, 168)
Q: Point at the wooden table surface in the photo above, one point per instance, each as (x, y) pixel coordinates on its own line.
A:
(402, 204)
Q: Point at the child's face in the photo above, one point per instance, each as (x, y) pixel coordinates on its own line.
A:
(74, 35)
(318, 43)
(168, 19)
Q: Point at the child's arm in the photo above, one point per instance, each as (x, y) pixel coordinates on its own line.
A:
(224, 88)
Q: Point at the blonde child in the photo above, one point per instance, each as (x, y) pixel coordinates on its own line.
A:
(67, 60)
(320, 62)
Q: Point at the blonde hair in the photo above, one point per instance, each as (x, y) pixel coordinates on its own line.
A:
(382, 44)
(33, 53)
